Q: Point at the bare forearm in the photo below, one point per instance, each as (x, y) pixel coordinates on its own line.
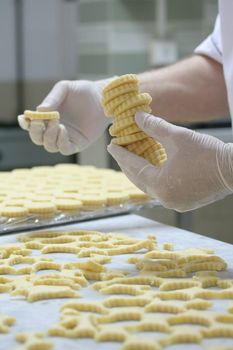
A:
(190, 90)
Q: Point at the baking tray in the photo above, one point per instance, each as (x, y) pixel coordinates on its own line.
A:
(13, 225)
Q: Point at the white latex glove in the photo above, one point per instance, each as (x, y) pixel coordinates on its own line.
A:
(82, 119)
(198, 171)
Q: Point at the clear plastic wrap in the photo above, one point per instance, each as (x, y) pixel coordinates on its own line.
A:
(12, 225)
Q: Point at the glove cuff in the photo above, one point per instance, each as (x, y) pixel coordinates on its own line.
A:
(225, 166)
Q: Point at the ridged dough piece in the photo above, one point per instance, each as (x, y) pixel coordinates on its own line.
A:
(182, 336)
(128, 139)
(33, 341)
(60, 248)
(132, 280)
(93, 276)
(111, 333)
(37, 235)
(151, 323)
(207, 282)
(86, 306)
(215, 294)
(174, 295)
(178, 284)
(168, 246)
(55, 280)
(81, 326)
(164, 307)
(122, 314)
(144, 244)
(139, 147)
(230, 308)
(216, 266)
(90, 265)
(120, 124)
(119, 91)
(198, 304)
(218, 331)
(190, 317)
(35, 293)
(130, 301)
(35, 115)
(13, 211)
(7, 270)
(119, 81)
(41, 208)
(150, 265)
(132, 102)
(7, 249)
(224, 318)
(68, 204)
(4, 288)
(171, 273)
(6, 322)
(130, 130)
(46, 265)
(110, 106)
(124, 289)
(63, 239)
(140, 343)
(114, 198)
(158, 254)
(131, 111)
(84, 253)
(76, 275)
(5, 284)
(157, 158)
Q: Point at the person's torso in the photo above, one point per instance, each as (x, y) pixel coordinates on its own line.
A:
(226, 14)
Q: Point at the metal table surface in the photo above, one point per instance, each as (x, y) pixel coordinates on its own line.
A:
(39, 316)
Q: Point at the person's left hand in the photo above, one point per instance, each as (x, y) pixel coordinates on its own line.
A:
(198, 170)
(81, 122)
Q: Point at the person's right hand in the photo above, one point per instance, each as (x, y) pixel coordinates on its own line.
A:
(82, 119)
(197, 172)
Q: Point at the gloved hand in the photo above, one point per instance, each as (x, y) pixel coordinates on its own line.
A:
(198, 171)
(82, 119)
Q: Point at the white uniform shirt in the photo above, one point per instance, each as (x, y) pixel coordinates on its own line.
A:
(219, 45)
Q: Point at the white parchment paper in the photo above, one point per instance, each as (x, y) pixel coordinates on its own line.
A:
(41, 315)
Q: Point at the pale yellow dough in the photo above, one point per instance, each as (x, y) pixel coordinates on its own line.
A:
(169, 292)
(35, 115)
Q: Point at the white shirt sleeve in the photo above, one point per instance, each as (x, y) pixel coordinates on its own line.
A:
(212, 45)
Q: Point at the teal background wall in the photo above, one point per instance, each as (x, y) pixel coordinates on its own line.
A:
(114, 36)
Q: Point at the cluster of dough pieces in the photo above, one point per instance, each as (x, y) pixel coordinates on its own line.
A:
(121, 100)
(171, 293)
(68, 188)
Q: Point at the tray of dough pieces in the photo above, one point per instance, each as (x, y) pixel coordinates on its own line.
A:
(46, 196)
(127, 289)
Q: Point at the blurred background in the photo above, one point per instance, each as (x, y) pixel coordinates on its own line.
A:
(42, 42)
